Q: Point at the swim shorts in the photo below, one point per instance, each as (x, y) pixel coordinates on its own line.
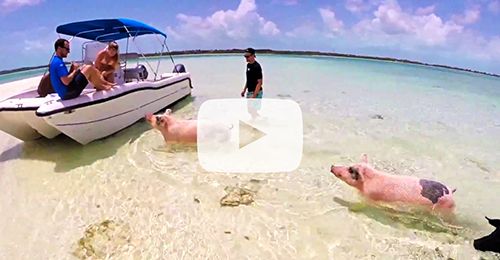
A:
(256, 104)
(76, 86)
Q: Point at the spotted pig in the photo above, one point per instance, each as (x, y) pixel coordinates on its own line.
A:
(379, 186)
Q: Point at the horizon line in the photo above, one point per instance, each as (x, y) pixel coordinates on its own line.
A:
(271, 51)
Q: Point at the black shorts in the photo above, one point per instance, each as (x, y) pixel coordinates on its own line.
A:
(76, 86)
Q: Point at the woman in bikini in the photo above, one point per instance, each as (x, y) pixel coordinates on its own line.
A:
(107, 61)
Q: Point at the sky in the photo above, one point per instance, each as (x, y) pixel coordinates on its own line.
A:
(461, 33)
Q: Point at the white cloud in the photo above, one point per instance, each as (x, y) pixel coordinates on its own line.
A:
(290, 2)
(11, 5)
(305, 30)
(33, 45)
(355, 6)
(425, 10)
(285, 2)
(418, 31)
(333, 24)
(239, 24)
(426, 33)
(267, 27)
(493, 47)
(31, 39)
(421, 28)
(494, 7)
(470, 16)
(360, 6)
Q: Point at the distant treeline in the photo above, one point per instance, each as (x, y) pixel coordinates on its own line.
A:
(3, 72)
(280, 52)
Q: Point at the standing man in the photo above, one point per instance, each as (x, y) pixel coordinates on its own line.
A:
(253, 83)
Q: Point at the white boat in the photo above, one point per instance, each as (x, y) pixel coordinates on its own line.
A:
(97, 114)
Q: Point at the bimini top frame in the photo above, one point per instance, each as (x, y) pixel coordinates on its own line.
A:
(103, 30)
(107, 29)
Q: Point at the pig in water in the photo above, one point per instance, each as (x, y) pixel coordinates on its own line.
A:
(378, 186)
(186, 131)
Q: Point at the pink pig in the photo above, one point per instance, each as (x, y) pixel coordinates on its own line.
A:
(379, 186)
(174, 130)
(181, 131)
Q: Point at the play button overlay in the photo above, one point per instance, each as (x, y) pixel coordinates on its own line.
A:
(248, 134)
(231, 140)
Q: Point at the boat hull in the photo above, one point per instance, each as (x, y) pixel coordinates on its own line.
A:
(18, 117)
(15, 123)
(89, 121)
(94, 114)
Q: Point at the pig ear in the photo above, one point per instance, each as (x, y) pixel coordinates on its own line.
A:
(494, 222)
(168, 112)
(164, 123)
(354, 173)
(364, 158)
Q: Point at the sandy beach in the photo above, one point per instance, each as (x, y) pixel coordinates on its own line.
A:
(159, 203)
(12, 88)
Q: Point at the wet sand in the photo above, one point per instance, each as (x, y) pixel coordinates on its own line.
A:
(154, 202)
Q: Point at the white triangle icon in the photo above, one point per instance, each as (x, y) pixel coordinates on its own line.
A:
(248, 134)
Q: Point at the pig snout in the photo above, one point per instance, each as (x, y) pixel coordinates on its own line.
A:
(149, 117)
(336, 170)
(332, 170)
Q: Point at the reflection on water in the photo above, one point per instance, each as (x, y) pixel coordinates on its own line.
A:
(132, 196)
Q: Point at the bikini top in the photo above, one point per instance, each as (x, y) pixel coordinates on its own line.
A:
(105, 64)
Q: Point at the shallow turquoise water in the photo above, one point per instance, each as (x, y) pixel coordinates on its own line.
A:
(21, 75)
(437, 124)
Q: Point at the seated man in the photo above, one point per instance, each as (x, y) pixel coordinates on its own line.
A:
(45, 86)
(70, 85)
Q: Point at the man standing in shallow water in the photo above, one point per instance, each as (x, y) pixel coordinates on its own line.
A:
(253, 82)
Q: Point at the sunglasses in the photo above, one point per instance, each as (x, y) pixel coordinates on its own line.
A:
(65, 48)
(246, 56)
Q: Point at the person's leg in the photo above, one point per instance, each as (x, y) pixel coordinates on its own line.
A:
(258, 102)
(251, 105)
(93, 75)
(76, 86)
(110, 78)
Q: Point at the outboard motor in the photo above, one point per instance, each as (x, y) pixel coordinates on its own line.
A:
(143, 72)
(179, 68)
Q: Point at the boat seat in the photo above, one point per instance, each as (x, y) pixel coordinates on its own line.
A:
(119, 76)
(90, 51)
(139, 73)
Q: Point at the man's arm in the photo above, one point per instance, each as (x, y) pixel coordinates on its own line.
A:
(257, 88)
(244, 90)
(69, 77)
(259, 83)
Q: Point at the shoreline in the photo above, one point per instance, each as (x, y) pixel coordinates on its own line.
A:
(278, 52)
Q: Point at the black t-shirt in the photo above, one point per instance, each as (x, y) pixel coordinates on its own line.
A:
(254, 73)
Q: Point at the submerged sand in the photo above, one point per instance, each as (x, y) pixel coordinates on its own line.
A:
(130, 197)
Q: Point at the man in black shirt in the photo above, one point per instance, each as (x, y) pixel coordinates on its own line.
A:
(254, 81)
